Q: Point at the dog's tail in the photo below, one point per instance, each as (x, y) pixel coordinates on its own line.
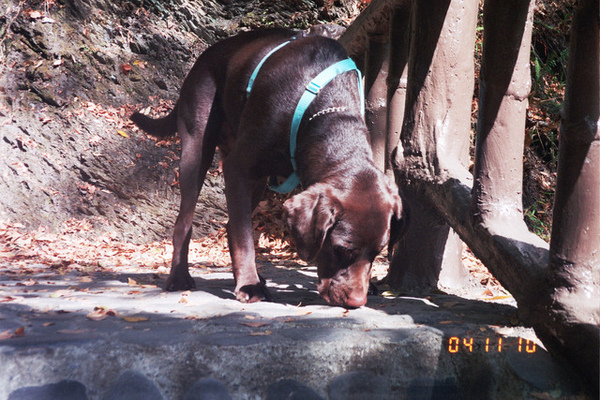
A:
(160, 127)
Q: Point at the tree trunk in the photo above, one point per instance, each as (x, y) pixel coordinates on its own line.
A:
(376, 72)
(397, 80)
(575, 244)
(434, 138)
(505, 82)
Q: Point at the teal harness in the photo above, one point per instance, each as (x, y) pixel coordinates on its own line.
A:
(310, 93)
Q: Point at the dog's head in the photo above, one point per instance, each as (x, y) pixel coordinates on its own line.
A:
(342, 231)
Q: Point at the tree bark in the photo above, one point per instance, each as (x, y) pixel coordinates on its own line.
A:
(505, 82)
(435, 138)
(575, 244)
(376, 72)
(397, 80)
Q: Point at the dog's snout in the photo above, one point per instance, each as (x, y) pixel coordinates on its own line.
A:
(345, 290)
(355, 300)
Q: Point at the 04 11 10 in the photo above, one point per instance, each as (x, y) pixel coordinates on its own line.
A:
(488, 345)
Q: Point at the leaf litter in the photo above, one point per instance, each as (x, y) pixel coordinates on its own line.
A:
(27, 254)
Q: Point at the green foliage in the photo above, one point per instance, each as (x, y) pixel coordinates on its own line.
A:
(537, 216)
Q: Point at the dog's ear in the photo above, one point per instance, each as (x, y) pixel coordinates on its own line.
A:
(309, 216)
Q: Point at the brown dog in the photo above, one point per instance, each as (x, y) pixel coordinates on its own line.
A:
(341, 221)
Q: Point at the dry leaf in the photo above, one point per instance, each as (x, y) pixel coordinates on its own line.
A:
(123, 133)
(34, 14)
(126, 68)
(265, 333)
(6, 335)
(59, 293)
(131, 282)
(148, 286)
(6, 299)
(100, 313)
(20, 331)
(499, 297)
(134, 319)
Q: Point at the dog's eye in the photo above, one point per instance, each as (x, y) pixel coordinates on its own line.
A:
(344, 253)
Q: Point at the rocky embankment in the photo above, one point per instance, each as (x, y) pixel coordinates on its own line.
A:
(71, 74)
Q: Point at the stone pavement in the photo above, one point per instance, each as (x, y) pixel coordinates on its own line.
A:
(117, 335)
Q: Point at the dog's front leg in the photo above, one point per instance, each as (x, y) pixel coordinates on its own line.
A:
(249, 287)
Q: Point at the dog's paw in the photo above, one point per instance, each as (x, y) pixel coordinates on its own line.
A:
(180, 282)
(253, 293)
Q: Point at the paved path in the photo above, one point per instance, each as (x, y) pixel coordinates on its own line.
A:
(103, 335)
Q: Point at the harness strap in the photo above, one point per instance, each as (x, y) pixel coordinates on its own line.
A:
(260, 64)
(311, 91)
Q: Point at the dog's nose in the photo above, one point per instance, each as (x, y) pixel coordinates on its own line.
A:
(355, 301)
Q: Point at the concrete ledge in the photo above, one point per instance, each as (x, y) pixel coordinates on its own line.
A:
(397, 347)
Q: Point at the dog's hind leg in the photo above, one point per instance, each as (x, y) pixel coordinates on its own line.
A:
(199, 122)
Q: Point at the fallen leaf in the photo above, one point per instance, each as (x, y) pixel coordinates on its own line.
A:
(131, 282)
(59, 293)
(100, 313)
(499, 298)
(34, 14)
(123, 133)
(126, 68)
(47, 324)
(265, 333)
(20, 331)
(6, 335)
(134, 319)
(6, 299)
(148, 286)
(389, 294)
